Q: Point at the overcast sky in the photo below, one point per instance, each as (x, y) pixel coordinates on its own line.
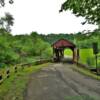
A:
(43, 16)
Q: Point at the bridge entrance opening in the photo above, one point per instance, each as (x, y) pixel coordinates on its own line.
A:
(59, 47)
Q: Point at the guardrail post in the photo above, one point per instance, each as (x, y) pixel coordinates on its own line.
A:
(1, 79)
(15, 68)
(8, 73)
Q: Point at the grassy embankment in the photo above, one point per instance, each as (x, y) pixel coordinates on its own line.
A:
(85, 54)
(13, 88)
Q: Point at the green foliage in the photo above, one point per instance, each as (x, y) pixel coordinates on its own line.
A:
(42, 48)
(6, 22)
(85, 8)
(20, 48)
(85, 54)
(99, 64)
(47, 53)
(51, 38)
(68, 52)
(87, 72)
(80, 39)
(85, 97)
(7, 55)
(17, 82)
(90, 61)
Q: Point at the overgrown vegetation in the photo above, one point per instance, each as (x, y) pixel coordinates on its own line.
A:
(89, 9)
(13, 87)
(81, 39)
(22, 48)
(86, 57)
(86, 72)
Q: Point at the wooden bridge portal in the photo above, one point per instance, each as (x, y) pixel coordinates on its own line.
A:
(59, 47)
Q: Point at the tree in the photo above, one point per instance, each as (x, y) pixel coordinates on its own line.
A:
(90, 9)
(7, 21)
(1, 23)
(34, 36)
(2, 2)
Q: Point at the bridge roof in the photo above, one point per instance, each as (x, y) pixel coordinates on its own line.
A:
(63, 43)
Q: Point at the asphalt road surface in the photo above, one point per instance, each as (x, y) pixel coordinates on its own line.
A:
(60, 82)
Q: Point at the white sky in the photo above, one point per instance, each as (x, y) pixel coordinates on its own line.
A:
(43, 16)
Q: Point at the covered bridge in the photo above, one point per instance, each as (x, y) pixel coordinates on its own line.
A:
(59, 47)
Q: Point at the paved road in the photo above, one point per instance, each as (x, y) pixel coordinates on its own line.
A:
(60, 82)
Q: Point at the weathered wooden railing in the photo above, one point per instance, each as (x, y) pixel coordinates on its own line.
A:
(7, 72)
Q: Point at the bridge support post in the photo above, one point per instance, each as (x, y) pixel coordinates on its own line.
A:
(74, 55)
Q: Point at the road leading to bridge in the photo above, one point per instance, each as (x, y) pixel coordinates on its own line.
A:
(60, 82)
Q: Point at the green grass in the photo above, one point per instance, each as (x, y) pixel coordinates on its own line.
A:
(85, 54)
(68, 52)
(82, 97)
(86, 72)
(13, 88)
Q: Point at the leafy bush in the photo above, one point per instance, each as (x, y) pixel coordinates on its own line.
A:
(47, 53)
(98, 64)
(20, 48)
(90, 61)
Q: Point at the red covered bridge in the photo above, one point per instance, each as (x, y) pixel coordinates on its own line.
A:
(59, 47)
